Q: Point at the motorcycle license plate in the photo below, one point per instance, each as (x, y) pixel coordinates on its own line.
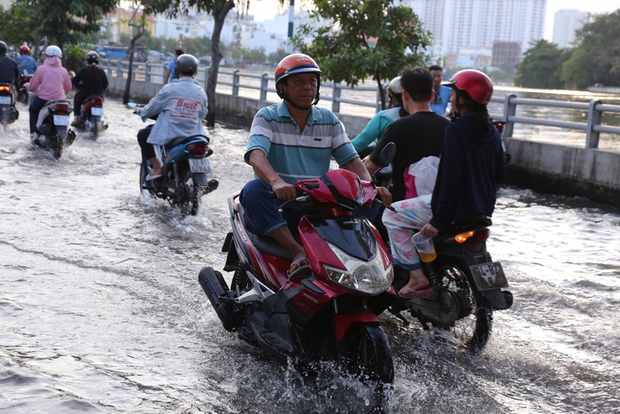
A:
(489, 276)
(61, 120)
(96, 111)
(199, 165)
(5, 100)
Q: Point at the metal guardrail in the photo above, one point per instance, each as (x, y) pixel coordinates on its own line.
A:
(154, 72)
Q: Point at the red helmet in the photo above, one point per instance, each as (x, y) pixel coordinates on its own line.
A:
(475, 83)
(294, 64)
(24, 50)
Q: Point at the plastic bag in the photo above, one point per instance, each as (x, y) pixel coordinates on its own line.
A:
(420, 177)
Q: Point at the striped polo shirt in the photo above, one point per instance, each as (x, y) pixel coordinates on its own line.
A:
(295, 154)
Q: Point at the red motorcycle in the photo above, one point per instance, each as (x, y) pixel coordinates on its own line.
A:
(327, 310)
(91, 116)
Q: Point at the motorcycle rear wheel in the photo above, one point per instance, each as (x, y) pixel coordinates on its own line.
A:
(57, 146)
(365, 352)
(189, 192)
(474, 327)
(95, 130)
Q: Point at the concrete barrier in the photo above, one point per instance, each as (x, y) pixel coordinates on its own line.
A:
(548, 168)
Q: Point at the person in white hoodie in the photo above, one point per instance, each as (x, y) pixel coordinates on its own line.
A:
(50, 81)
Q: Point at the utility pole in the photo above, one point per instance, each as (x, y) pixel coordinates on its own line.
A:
(291, 18)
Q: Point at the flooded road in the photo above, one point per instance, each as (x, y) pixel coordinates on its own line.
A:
(101, 310)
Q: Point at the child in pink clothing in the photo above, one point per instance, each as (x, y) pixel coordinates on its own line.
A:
(50, 81)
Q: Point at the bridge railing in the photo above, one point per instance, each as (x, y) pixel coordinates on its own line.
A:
(242, 83)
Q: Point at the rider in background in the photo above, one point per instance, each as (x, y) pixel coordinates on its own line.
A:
(9, 69)
(470, 167)
(50, 81)
(416, 136)
(289, 141)
(25, 62)
(440, 101)
(180, 108)
(171, 69)
(90, 80)
(378, 124)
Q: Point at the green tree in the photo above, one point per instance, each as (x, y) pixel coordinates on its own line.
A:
(541, 66)
(219, 10)
(372, 38)
(275, 57)
(62, 20)
(596, 59)
(18, 24)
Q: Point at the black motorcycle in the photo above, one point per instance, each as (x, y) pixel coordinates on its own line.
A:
(8, 112)
(53, 128)
(23, 96)
(468, 285)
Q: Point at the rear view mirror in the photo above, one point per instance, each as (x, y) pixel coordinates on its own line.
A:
(387, 155)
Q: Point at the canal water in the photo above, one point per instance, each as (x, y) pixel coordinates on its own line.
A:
(101, 310)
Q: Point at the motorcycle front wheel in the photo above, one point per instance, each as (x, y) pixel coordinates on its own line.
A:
(188, 193)
(365, 352)
(143, 173)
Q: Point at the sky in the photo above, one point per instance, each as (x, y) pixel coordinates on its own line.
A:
(266, 9)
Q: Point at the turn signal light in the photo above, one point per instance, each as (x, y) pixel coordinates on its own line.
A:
(473, 236)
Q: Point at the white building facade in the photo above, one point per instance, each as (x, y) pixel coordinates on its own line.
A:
(566, 24)
(464, 29)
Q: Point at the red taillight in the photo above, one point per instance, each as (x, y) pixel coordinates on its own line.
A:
(97, 101)
(199, 148)
(4, 88)
(473, 236)
(62, 107)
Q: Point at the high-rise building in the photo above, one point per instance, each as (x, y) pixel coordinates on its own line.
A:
(566, 24)
(462, 27)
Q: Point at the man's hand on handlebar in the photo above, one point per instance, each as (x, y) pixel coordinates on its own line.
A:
(385, 196)
(283, 190)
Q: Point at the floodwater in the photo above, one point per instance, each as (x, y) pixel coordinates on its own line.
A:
(101, 310)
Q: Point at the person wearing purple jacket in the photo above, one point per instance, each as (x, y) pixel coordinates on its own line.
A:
(50, 81)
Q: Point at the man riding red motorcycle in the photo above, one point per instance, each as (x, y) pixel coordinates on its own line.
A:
(311, 272)
(290, 141)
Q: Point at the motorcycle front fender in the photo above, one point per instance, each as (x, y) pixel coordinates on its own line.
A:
(342, 321)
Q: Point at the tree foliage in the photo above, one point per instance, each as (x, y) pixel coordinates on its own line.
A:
(541, 67)
(18, 24)
(373, 38)
(61, 20)
(596, 59)
(219, 10)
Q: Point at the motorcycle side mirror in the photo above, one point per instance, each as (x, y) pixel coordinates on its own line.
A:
(387, 155)
(25, 72)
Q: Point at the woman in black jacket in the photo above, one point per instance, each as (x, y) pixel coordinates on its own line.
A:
(471, 165)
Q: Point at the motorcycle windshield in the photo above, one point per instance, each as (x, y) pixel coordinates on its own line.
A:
(352, 235)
